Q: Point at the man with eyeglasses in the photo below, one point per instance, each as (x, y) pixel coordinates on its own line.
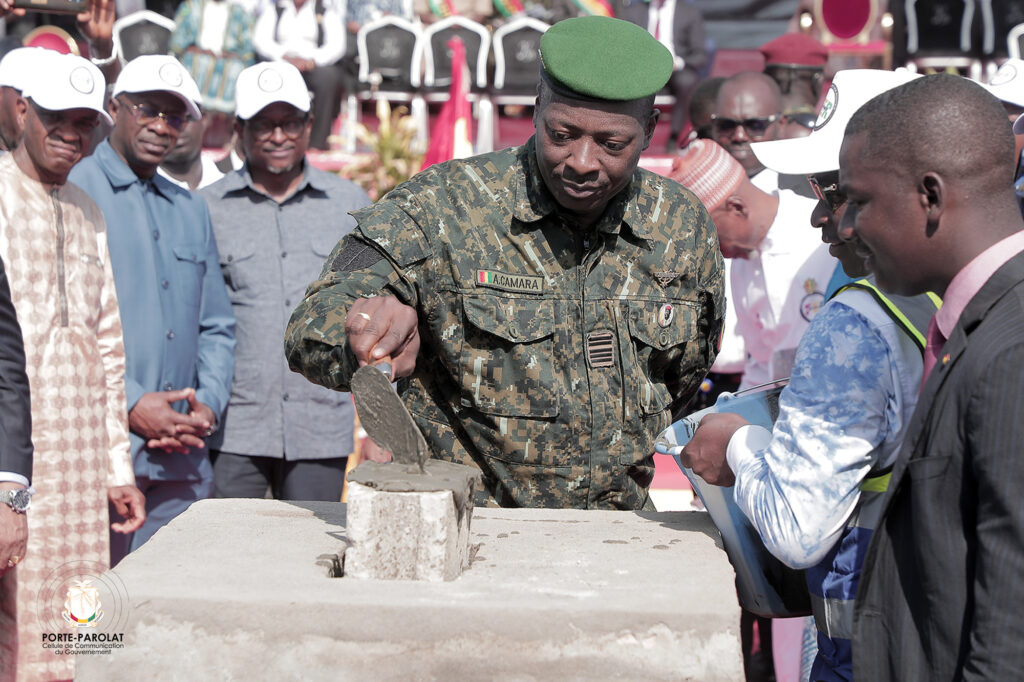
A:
(777, 281)
(747, 110)
(812, 486)
(179, 330)
(276, 221)
(54, 243)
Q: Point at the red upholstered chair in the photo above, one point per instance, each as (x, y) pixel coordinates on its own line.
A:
(846, 20)
(52, 38)
(856, 32)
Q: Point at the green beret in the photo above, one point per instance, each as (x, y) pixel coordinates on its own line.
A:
(602, 58)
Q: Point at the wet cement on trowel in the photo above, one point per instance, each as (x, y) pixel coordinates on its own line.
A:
(390, 425)
(437, 476)
(385, 418)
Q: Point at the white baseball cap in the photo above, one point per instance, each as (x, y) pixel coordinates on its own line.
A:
(263, 84)
(160, 73)
(65, 81)
(18, 66)
(1008, 82)
(819, 151)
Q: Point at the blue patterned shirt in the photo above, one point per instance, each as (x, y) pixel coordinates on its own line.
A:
(852, 391)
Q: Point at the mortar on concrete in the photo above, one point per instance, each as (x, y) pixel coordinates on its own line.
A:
(408, 525)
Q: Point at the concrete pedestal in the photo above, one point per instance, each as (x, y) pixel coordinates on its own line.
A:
(405, 536)
(232, 590)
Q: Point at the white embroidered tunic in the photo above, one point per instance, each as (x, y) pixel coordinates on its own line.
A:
(54, 244)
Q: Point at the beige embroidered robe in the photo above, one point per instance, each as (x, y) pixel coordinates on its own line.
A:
(54, 244)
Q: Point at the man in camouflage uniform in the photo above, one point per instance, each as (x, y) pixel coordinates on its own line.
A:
(548, 307)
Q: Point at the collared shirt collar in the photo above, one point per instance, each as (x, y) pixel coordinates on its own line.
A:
(242, 179)
(969, 281)
(120, 173)
(533, 201)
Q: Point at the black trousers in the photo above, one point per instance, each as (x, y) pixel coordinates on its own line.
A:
(328, 85)
(304, 479)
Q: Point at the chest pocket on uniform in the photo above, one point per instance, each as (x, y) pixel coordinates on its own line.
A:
(506, 365)
(188, 277)
(659, 336)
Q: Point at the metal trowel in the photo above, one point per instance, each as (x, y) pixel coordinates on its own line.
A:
(384, 416)
(409, 518)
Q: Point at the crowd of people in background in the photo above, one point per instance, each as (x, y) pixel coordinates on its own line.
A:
(216, 39)
(154, 286)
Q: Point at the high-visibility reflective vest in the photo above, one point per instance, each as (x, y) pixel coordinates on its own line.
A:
(833, 581)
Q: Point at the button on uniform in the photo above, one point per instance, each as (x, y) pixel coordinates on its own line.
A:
(170, 333)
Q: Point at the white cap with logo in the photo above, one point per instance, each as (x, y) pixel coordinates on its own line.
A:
(819, 152)
(66, 81)
(1008, 82)
(18, 66)
(160, 73)
(264, 84)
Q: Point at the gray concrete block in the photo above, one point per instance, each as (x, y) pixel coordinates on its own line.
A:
(405, 536)
(551, 595)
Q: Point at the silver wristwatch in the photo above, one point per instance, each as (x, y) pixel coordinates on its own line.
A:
(18, 500)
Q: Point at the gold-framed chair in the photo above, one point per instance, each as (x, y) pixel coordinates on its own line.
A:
(53, 38)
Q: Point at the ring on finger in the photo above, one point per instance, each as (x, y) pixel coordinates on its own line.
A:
(364, 316)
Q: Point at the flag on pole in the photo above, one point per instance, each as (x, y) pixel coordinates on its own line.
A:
(451, 135)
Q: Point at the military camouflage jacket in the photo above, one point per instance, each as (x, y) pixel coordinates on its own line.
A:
(550, 358)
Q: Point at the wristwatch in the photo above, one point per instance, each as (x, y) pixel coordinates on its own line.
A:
(18, 500)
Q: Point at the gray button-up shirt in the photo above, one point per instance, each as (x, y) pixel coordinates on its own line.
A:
(269, 253)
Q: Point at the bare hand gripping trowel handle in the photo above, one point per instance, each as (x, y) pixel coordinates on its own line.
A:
(384, 416)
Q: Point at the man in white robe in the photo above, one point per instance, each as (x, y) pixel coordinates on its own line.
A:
(53, 241)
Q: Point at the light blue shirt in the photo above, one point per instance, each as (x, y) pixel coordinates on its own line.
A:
(853, 388)
(179, 330)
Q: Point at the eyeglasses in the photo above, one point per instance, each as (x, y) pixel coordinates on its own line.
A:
(264, 128)
(826, 188)
(806, 119)
(755, 126)
(145, 114)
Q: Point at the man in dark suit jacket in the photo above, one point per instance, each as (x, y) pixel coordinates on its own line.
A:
(678, 25)
(927, 169)
(15, 428)
(15, 470)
